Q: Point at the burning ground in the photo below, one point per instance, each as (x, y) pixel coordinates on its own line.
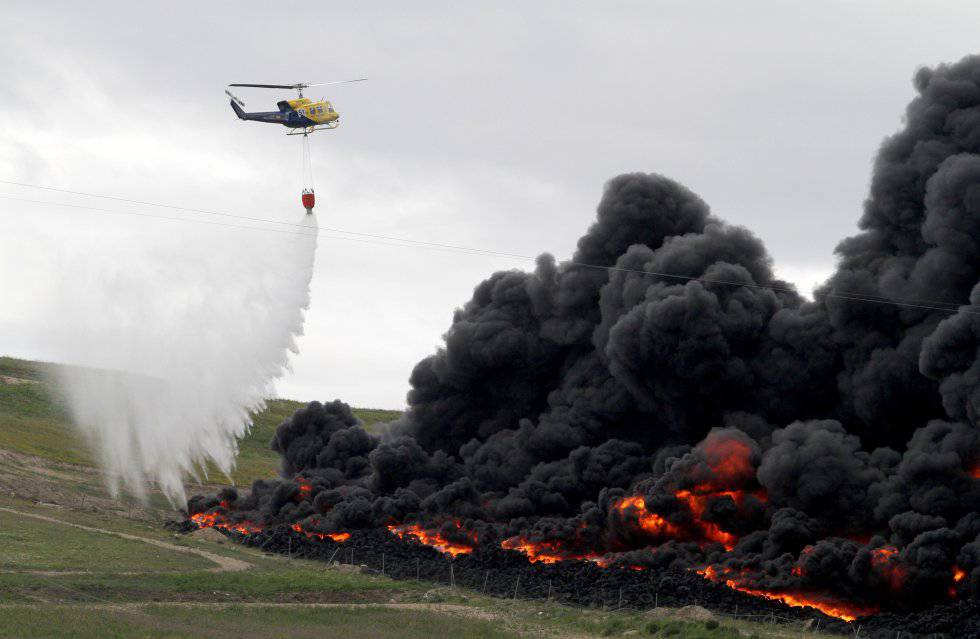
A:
(600, 414)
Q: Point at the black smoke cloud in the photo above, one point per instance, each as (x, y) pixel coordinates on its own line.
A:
(562, 390)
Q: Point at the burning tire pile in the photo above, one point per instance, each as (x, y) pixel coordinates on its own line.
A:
(661, 416)
(507, 574)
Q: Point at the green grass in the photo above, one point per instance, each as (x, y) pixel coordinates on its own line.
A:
(274, 581)
(242, 621)
(27, 545)
(691, 629)
(613, 624)
(33, 421)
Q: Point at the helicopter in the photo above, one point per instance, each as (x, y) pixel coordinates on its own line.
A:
(300, 113)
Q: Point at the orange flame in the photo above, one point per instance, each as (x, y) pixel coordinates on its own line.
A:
(730, 461)
(547, 552)
(698, 503)
(217, 520)
(649, 522)
(432, 538)
(551, 552)
(339, 537)
(886, 561)
(728, 467)
(839, 609)
(958, 575)
(634, 506)
(305, 488)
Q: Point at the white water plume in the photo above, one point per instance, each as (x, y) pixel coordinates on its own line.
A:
(177, 341)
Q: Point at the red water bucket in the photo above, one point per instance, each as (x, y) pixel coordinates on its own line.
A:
(308, 200)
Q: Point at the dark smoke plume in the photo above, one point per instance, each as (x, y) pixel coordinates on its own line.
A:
(722, 424)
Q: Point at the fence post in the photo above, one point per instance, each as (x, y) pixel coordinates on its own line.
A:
(516, 584)
(549, 590)
(452, 578)
(382, 563)
(620, 598)
(416, 569)
(486, 575)
(289, 549)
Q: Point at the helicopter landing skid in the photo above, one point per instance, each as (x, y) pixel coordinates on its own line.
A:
(312, 129)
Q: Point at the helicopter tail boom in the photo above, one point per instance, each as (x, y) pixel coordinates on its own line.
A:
(274, 117)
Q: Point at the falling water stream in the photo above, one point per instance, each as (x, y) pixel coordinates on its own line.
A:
(176, 345)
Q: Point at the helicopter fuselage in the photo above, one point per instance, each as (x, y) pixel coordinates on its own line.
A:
(299, 113)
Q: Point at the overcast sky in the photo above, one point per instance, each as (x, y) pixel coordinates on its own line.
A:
(492, 125)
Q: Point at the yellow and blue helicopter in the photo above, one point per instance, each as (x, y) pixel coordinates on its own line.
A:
(298, 113)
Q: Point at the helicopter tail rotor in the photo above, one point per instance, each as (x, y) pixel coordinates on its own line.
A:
(234, 98)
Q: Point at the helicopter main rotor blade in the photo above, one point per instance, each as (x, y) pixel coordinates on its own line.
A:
(323, 84)
(271, 86)
(298, 85)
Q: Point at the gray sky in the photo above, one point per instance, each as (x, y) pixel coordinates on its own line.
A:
(492, 125)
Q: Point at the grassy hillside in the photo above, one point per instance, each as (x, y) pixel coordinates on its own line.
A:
(35, 423)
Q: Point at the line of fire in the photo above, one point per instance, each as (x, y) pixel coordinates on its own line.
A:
(636, 536)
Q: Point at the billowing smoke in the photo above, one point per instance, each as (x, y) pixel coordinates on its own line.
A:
(826, 450)
(175, 344)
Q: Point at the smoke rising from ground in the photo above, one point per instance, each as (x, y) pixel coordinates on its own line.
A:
(178, 343)
(827, 447)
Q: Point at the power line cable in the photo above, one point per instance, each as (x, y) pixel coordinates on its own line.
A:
(313, 231)
(388, 240)
(249, 218)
